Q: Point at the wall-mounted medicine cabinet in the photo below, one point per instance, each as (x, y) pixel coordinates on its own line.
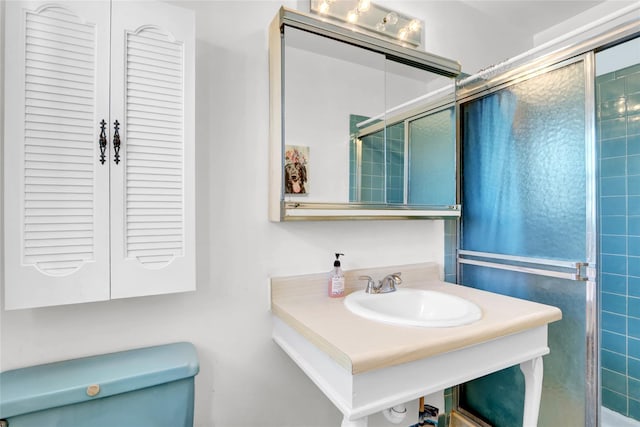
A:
(361, 128)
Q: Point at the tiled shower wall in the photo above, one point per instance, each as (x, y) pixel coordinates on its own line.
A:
(618, 133)
(395, 163)
(451, 276)
(378, 182)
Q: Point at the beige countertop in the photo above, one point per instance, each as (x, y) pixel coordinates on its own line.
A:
(361, 345)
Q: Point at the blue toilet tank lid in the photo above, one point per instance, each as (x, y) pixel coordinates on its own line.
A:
(57, 384)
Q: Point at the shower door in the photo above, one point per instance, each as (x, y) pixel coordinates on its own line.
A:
(528, 230)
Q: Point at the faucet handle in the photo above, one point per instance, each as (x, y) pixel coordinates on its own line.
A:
(396, 277)
(389, 283)
(371, 284)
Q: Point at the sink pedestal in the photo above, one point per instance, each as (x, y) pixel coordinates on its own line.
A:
(359, 395)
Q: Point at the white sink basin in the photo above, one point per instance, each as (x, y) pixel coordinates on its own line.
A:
(414, 307)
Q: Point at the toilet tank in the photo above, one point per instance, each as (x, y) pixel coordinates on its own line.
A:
(145, 387)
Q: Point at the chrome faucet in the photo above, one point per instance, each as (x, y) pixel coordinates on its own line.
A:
(389, 283)
(371, 285)
(386, 285)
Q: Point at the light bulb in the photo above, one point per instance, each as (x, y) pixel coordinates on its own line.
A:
(324, 8)
(414, 25)
(364, 5)
(352, 16)
(381, 27)
(403, 33)
(391, 18)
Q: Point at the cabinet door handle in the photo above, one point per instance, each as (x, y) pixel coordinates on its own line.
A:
(116, 142)
(103, 141)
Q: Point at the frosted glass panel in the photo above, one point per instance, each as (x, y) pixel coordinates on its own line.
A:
(524, 194)
(524, 176)
(500, 397)
(432, 148)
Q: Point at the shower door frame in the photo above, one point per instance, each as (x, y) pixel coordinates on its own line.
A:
(581, 51)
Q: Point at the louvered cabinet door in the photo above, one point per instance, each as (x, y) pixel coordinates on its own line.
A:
(152, 186)
(56, 190)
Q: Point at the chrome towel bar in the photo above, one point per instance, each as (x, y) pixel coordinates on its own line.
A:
(501, 261)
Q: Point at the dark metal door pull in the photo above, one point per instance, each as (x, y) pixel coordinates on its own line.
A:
(103, 141)
(116, 142)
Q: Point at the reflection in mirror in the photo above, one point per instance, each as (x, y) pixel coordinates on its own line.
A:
(431, 179)
(338, 99)
(409, 157)
(324, 82)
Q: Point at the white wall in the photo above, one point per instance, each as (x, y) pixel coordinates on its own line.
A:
(618, 57)
(245, 379)
(601, 17)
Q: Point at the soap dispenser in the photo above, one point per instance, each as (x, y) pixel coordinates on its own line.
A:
(336, 279)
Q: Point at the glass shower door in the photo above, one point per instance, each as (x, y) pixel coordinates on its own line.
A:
(528, 230)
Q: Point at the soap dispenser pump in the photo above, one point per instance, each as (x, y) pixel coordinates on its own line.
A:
(336, 279)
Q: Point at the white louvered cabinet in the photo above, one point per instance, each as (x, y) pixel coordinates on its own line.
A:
(78, 229)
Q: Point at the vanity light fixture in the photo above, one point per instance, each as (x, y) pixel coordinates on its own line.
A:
(364, 5)
(323, 9)
(403, 34)
(352, 16)
(368, 16)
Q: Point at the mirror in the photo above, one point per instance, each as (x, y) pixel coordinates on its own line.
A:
(408, 155)
(353, 134)
(325, 83)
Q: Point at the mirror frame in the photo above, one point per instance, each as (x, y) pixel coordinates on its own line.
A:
(279, 208)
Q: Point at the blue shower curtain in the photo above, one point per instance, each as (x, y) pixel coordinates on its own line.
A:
(490, 182)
